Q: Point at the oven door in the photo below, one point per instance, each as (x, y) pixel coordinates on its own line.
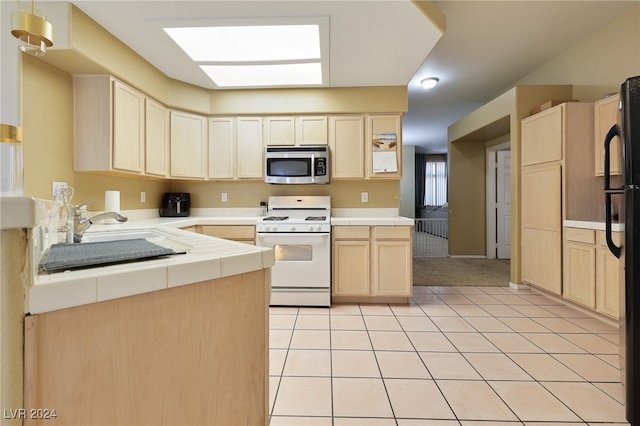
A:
(302, 260)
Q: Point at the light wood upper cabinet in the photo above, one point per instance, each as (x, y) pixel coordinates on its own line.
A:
(542, 137)
(188, 145)
(311, 130)
(235, 148)
(221, 147)
(279, 131)
(346, 146)
(156, 138)
(128, 128)
(298, 130)
(606, 115)
(249, 148)
(376, 154)
(109, 125)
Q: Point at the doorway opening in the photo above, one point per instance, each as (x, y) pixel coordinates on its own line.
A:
(498, 182)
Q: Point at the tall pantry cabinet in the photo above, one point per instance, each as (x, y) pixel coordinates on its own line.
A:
(557, 184)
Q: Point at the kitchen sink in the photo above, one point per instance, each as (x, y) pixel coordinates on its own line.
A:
(148, 234)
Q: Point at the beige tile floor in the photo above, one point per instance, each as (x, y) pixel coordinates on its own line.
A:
(454, 356)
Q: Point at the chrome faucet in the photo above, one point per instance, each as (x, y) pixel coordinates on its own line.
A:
(81, 224)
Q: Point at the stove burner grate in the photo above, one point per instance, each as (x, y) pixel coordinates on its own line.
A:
(276, 218)
(316, 218)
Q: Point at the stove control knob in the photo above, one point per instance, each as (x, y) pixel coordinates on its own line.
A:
(293, 228)
(310, 227)
(274, 228)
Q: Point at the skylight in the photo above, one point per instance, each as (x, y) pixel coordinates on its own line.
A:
(261, 55)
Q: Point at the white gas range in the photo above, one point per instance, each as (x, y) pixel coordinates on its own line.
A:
(299, 231)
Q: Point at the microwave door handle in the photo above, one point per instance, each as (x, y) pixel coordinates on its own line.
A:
(313, 167)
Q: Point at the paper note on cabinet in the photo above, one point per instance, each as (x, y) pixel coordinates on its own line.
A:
(384, 153)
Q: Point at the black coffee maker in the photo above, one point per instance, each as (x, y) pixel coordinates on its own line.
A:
(175, 204)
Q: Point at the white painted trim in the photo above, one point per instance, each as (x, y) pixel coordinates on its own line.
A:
(518, 286)
(490, 190)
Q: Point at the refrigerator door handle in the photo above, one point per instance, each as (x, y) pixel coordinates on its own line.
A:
(613, 132)
(615, 250)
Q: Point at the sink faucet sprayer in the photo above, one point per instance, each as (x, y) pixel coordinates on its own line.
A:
(81, 224)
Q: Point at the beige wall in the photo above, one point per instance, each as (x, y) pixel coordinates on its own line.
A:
(48, 125)
(593, 67)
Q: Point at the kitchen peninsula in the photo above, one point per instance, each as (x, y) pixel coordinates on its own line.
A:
(176, 340)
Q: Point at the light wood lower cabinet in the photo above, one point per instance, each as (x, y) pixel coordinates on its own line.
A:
(609, 276)
(592, 275)
(370, 263)
(193, 354)
(580, 266)
(242, 233)
(351, 261)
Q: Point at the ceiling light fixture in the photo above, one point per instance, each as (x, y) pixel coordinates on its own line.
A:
(259, 56)
(430, 83)
(34, 32)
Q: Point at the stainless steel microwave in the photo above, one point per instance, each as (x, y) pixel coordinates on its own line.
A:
(296, 164)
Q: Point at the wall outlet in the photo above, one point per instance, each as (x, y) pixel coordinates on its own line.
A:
(55, 185)
(364, 197)
(143, 197)
(223, 197)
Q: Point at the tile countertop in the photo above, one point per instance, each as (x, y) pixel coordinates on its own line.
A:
(209, 258)
(598, 226)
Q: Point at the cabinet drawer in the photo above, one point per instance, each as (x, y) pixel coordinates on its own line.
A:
(230, 232)
(350, 232)
(392, 232)
(617, 237)
(586, 236)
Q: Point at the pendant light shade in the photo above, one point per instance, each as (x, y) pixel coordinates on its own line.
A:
(34, 32)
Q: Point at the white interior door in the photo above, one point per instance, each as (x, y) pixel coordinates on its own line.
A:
(503, 205)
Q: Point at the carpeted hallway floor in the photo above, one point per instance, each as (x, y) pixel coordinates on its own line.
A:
(448, 271)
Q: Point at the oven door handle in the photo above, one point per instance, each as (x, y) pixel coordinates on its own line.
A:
(293, 234)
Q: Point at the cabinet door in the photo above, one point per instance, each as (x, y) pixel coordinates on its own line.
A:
(609, 277)
(609, 282)
(188, 145)
(311, 130)
(279, 131)
(542, 137)
(606, 115)
(242, 233)
(156, 138)
(381, 161)
(351, 268)
(128, 128)
(249, 148)
(392, 268)
(542, 227)
(580, 267)
(221, 147)
(346, 143)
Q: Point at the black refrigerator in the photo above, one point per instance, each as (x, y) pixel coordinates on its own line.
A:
(628, 129)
